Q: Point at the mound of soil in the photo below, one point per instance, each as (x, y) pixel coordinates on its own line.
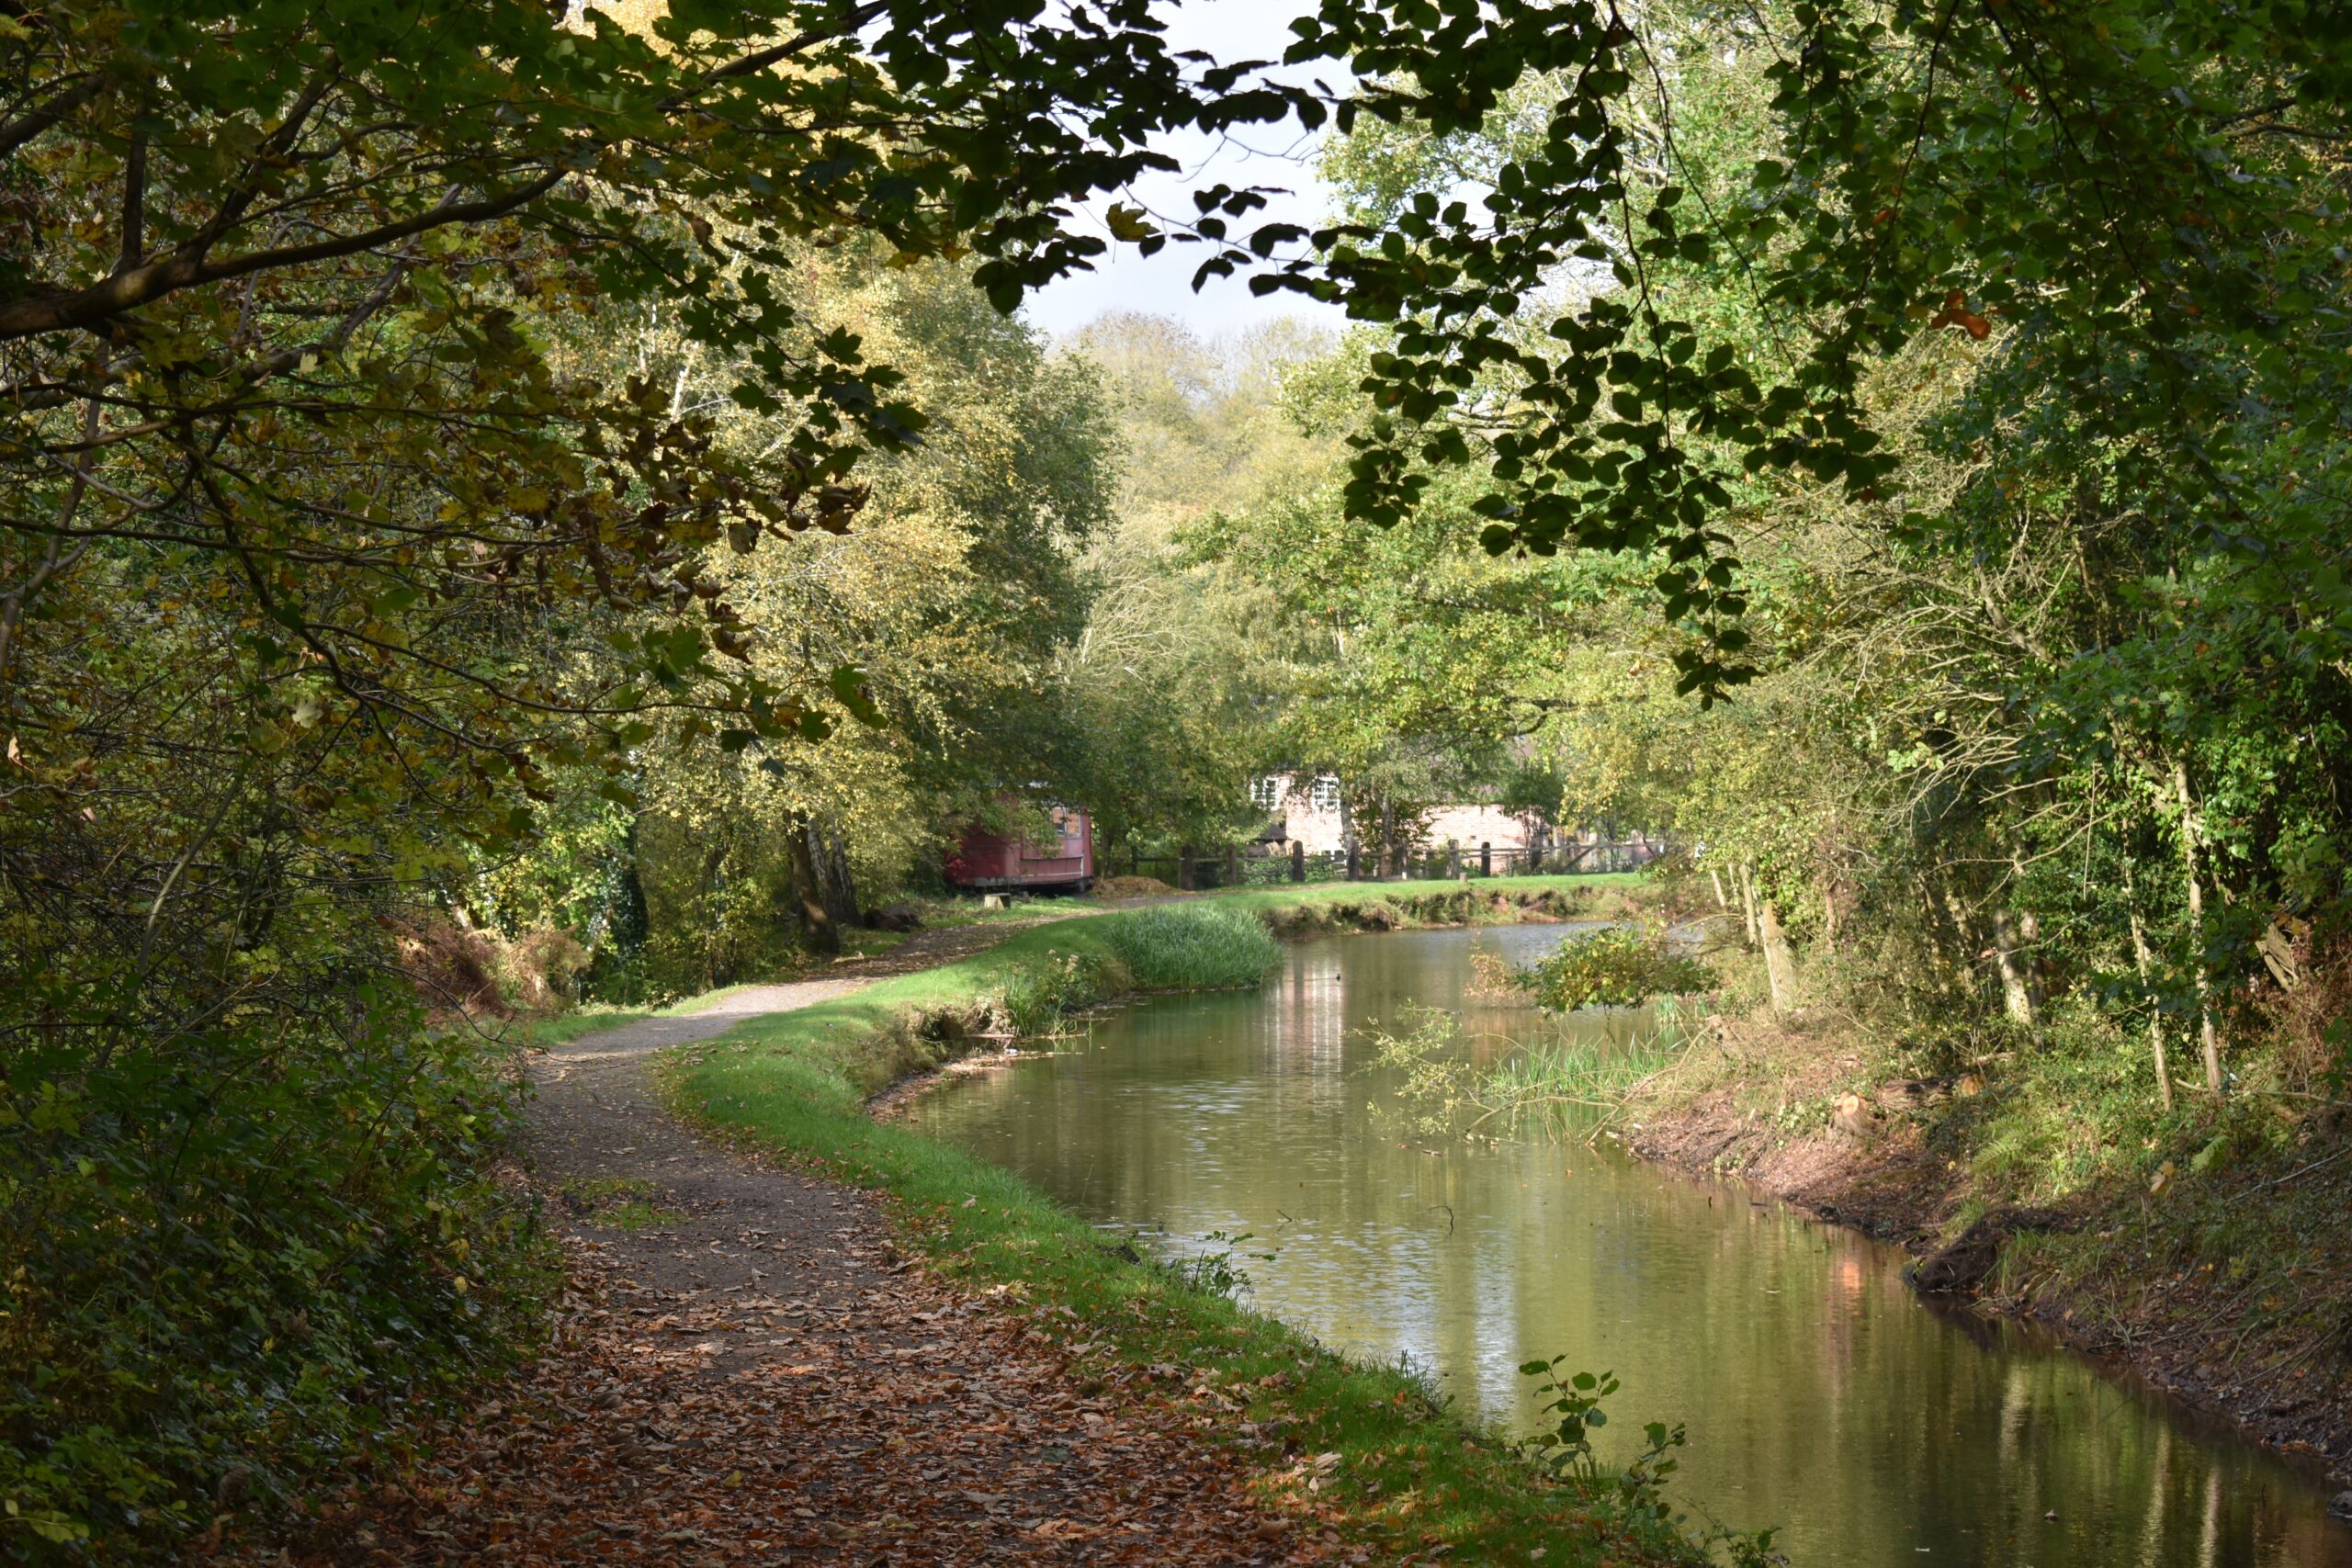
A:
(1131, 887)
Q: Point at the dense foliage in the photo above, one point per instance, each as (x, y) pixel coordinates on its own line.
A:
(431, 433)
(1969, 384)
(1616, 967)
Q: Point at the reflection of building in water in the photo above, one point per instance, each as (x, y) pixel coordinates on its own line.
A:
(1844, 1307)
(1311, 1025)
(1850, 1279)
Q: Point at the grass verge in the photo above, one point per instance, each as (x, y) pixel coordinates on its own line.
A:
(1366, 1448)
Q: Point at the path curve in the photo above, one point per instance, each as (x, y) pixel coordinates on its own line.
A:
(759, 1376)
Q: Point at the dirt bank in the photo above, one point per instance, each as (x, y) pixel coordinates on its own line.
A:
(2230, 1290)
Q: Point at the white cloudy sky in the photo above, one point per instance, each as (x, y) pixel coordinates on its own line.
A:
(1267, 155)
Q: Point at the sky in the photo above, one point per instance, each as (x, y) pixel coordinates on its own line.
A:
(1265, 155)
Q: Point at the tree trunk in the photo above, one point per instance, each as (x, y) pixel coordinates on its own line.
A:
(836, 885)
(714, 973)
(2017, 989)
(1388, 838)
(2156, 1013)
(625, 921)
(817, 928)
(1779, 962)
(2207, 1034)
(2016, 936)
(1747, 905)
(1971, 951)
(1717, 877)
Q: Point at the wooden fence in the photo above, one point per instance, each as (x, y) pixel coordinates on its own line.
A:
(1254, 868)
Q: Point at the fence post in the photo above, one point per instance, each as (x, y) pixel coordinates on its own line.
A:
(1184, 869)
(1298, 860)
(1354, 872)
(1485, 858)
(1232, 866)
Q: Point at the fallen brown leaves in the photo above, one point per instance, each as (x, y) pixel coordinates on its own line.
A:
(915, 1425)
(759, 1377)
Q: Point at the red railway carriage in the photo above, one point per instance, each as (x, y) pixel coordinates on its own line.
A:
(995, 862)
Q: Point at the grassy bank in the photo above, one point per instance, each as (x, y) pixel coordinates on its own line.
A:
(1365, 1448)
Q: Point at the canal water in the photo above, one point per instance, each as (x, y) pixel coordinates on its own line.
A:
(1821, 1395)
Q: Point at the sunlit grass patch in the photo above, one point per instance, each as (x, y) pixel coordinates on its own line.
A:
(547, 1032)
(622, 1204)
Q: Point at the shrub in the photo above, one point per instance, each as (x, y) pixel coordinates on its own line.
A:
(1619, 966)
(1193, 947)
(454, 969)
(541, 969)
(233, 1252)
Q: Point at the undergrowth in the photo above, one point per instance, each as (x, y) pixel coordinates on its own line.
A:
(229, 1268)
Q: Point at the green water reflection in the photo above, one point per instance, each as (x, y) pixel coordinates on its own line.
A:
(1820, 1395)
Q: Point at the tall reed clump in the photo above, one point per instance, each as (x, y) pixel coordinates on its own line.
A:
(1034, 1001)
(1182, 947)
(1194, 947)
(1578, 1082)
(1575, 1082)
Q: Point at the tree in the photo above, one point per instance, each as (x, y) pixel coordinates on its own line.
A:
(1178, 678)
(2129, 186)
(953, 598)
(1947, 398)
(335, 554)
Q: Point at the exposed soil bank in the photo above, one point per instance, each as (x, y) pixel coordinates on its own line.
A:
(2230, 1287)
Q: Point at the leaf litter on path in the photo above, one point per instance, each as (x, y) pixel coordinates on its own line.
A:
(766, 1379)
